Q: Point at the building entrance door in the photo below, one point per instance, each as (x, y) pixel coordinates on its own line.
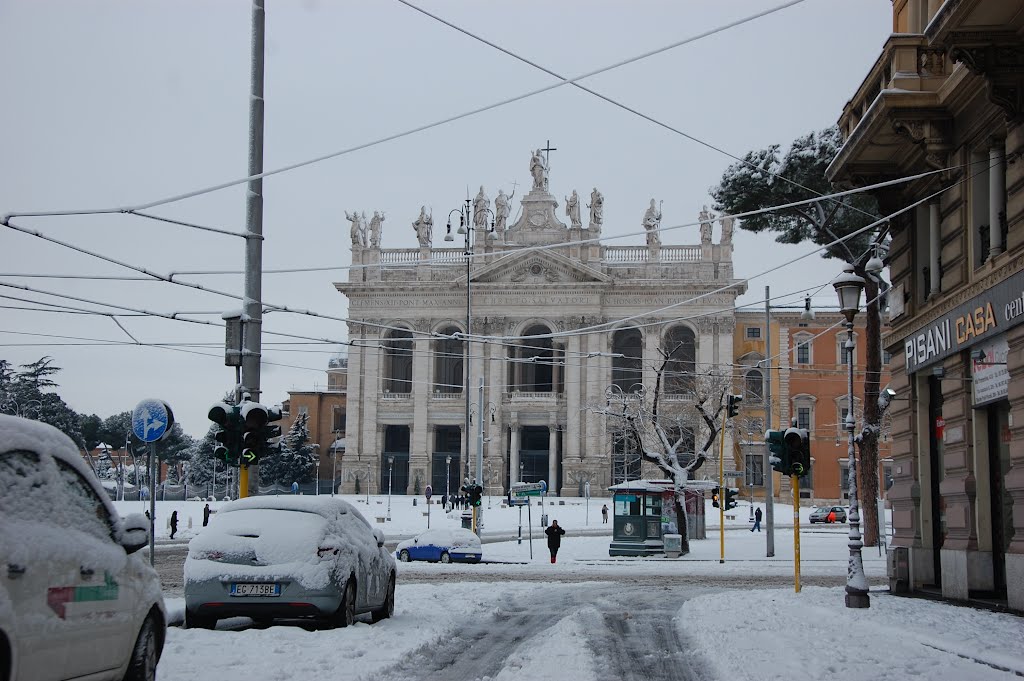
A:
(1002, 502)
(533, 454)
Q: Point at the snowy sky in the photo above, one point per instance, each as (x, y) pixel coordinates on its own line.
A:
(110, 102)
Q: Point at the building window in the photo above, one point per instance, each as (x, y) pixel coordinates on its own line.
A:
(681, 350)
(303, 411)
(627, 370)
(803, 349)
(803, 417)
(753, 332)
(754, 471)
(398, 361)
(534, 364)
(448, 362)
(841, 352)
(886, 357)
(338, 421)
(753, 386)
(844, 480)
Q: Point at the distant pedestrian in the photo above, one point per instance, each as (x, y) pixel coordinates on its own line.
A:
(831, 516)
(757, 520)
(444, 501)
(148, 517)
(174, 523)
(554, 533)
(295, 487)
(206, 515)
(604, 513)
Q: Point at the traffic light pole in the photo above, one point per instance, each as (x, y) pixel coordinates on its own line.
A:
(796, 531)
(253, 305)
(721, 495)
(769, 484)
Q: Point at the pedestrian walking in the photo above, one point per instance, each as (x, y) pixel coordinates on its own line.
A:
(604, 513)
(174, 523)
(831, 516)
(206, 515)
(444, 501)
(554, 533)
(757, 520)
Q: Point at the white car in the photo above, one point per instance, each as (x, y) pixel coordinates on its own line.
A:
(442, 544)
(288, 557)
(76, 600)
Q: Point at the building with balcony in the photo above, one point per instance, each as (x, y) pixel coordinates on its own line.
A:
(808, 373)
(556, 319)
(947, 95)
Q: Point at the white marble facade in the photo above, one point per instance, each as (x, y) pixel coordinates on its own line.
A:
(540, 411)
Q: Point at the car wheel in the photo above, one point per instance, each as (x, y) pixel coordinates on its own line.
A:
(445, 558)
(346, 613)
(199, 622)
(404, 556)
(142, 666)
(388, 608)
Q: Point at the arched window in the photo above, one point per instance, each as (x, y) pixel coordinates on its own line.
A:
(398, 361)
(680, 372)
(448, 362)
(533, 367)
(753, 385)
(627, 370)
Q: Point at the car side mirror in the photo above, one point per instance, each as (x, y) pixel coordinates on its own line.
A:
(379, 536)
(134, 532)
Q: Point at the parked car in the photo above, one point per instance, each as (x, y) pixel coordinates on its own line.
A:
(820, 515)
(76, 599)
(288, 557)
(444, 545)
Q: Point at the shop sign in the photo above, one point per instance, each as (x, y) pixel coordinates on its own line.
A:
(991, 375)
(980, 318)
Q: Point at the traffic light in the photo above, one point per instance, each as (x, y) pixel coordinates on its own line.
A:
(734, 405)
(730, 497)
(798, 444)
(257, 432)
(475, 495)
(778, 454)
(228, 418)
(714, 497)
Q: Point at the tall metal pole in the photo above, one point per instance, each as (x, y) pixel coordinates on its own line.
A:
(477, 510)
(769, 484)
(253, 305)
(469, 228)
(721, 493)
(856, 582)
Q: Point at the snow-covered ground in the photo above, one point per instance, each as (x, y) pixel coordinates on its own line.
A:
(748, 633)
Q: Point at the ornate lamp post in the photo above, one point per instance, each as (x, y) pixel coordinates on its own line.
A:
(448, 476)
(318, 477)
(466, 220)
(848, 287)
(391, 467)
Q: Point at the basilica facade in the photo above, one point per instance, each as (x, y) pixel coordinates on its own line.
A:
(543, 324)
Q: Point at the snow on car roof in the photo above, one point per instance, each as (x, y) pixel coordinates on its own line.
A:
(326, 506)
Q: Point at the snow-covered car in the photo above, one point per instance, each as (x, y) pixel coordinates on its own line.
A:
(286, 557)
(443, 544)
(820, 515)
(77, 599)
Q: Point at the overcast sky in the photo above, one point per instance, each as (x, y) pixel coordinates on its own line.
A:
(108, 103)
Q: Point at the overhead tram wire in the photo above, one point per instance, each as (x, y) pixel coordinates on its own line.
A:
(421, 128)
(625, 107)
(269, 306)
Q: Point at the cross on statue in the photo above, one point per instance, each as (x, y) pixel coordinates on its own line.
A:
(547, 152)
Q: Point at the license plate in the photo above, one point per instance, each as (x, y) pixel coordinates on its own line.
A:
(273, 589)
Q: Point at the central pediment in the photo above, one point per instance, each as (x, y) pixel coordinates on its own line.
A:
(537, 267)
(537, 225)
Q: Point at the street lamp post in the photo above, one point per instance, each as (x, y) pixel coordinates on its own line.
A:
(848, 287)
(466, 223)
(334, 462)
(448, 476)
(318, 477)
(391, 467)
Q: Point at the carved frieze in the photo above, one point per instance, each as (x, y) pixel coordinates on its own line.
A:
(930, 133)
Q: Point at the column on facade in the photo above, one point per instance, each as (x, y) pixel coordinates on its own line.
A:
(996, 195)
(573, 394)
(421, 389)
(599, 378)
(959, 484)
(553, 459)
(494, 450)
(705, 346)
(934, 247)
(513, 453)
(354, 402)
(651, 357)
(370, 398)
(1013, 483)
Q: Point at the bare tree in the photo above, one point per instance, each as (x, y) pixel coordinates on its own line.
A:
(667, 431)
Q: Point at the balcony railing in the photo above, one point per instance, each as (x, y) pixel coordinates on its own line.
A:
(639, 254)
(520, 396)
(448, 396)
(388, 395)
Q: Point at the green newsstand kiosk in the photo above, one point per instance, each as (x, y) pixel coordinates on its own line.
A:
(644, 513)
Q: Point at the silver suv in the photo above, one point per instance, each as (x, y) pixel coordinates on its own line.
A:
(75, 598)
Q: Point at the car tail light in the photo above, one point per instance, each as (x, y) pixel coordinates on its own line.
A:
(326, 551)
(208, 555)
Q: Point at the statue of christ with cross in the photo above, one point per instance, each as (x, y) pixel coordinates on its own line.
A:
(539, 165)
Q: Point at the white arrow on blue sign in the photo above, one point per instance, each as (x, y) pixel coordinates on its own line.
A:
(151, 419)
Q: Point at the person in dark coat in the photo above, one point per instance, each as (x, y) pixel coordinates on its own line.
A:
(206, 515)
(757, 520)
(604, 513)
(444, 502)
(554, 533)
(174, 523)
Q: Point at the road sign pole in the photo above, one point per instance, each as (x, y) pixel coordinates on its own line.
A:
(153, 463)
(529, 523)
(796, 532)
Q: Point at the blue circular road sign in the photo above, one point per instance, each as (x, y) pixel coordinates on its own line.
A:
(430, 492)
(151, 420)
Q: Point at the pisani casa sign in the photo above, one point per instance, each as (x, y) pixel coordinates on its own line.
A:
(988, 314)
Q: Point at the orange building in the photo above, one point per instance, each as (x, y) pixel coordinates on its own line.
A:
(808, 383)
(326, 407)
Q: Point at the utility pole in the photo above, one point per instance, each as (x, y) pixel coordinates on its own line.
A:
(253, 299)
(769, 485)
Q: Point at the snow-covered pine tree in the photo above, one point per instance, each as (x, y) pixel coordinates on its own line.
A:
(296, 459)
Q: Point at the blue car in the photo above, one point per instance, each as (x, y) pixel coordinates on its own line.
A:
(441, 545)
